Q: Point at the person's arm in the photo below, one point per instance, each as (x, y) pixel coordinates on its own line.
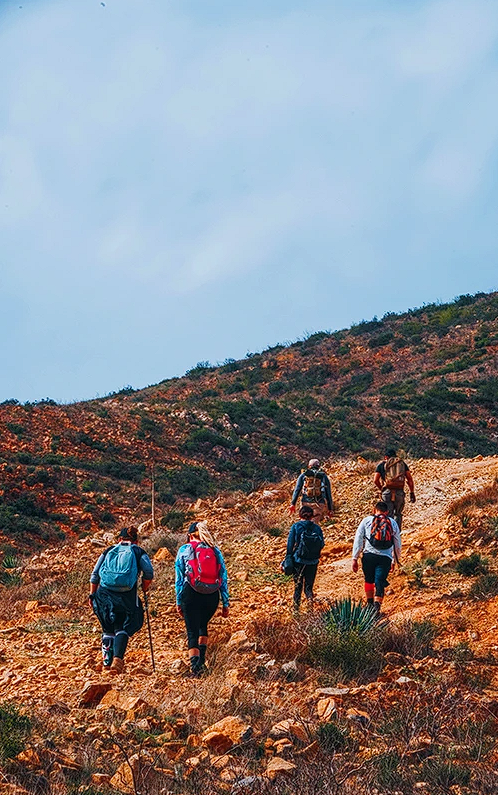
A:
(411, 485)
(328, 493)
(378, 481)
(95, 578)
(147, 570)
(298, 489)
(224, 594)
(291, 540)
(321, 534)
(179, 574)
(397, 542)
(359, 540)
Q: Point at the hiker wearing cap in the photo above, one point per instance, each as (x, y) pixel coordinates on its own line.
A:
(379, 538)
(114, 595)
(304, 544)
(315, 487)
(201, 580)
(389, 478)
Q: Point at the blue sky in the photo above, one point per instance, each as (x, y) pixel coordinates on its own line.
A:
(185, 181)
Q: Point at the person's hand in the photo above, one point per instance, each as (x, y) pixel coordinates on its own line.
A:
(392, 566)
(90, 600)
(179, 610)
(292, 509)
(354, 566)
(225, 611)
(412, 496)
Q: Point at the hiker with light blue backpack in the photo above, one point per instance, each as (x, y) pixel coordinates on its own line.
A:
(114, 595)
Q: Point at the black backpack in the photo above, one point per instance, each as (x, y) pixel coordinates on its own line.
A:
(310, 544)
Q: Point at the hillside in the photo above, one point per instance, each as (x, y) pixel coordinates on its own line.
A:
(297, 715)
(425, 381)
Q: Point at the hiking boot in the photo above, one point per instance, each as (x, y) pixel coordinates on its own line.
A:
(117, 666)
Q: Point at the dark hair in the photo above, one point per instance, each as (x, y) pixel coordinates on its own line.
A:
(306, 512)
(382, 506)
(391, 452)
(130, 533)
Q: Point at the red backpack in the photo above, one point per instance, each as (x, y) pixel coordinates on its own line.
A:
(203, 568)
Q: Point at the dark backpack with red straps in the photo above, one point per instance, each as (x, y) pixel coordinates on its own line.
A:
(203, 568)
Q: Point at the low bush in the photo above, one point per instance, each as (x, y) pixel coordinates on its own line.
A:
(346, 640)
(15, 728)
(485, 586)
(488, 495)
(471, 565)
(174, 520)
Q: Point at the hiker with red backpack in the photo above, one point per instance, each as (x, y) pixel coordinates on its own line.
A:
(114, 595)
(316, 492)
(379, 538)
(389, 478)
(201, 580)
(304, 545)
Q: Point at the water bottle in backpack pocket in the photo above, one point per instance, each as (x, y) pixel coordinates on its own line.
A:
(310, 544)
(119, 569)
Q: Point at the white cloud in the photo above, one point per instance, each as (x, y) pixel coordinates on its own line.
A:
(147, 152)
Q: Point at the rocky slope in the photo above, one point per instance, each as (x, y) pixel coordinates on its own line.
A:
(425, 381)
(273, 714)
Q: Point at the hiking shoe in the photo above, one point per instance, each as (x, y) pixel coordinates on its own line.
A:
(117, 666)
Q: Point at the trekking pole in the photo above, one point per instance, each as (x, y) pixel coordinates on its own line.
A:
(150, 631)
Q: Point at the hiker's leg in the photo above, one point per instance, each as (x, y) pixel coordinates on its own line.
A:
(319, 509)
(191, 606)
(208, 609)
(309, 581)
(298, 584)
(399, 504)
(368, 567)
(107, 648)
(387, 496)
(120, 643)
(382, 569)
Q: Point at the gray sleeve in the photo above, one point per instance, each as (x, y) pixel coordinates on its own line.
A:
(95, 577)
(298, 488)
(145, 567)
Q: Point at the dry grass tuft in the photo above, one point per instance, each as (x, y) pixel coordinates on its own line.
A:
(483, 498)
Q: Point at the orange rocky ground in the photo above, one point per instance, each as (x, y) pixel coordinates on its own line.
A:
(88, 723)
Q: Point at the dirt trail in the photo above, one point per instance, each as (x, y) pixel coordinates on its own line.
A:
(49, 653)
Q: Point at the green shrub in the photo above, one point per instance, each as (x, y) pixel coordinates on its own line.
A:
(485, 586)
(15, 728)
(410, 638)
(472, 565)
(346, 640)
(332, 737)
(174, 520)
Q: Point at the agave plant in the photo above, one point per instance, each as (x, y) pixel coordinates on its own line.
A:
(347, 615)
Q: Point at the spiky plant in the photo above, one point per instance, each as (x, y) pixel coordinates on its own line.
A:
(348, 615)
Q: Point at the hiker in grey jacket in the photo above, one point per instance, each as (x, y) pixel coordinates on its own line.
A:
(316, 492)
(379, 538)
(119, 609)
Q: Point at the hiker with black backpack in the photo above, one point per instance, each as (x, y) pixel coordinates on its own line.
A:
(379, 538)
(389, 478)
(304, 545)
(316, 492)
(201, 580)
(114, 595)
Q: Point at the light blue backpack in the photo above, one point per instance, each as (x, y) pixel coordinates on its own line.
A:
(119, 569)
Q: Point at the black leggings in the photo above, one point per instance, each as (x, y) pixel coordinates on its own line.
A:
(304, 574)
(198, 610)
(375, 569)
